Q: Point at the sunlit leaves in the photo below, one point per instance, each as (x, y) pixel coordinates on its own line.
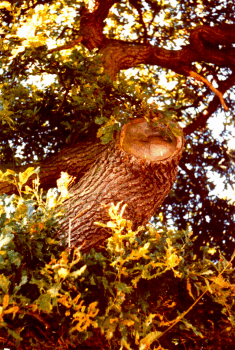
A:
(145, 279)
(133, 257)
(31, 278)
(84, 318)
(146, 342)
(4, 283)
(121, 294)
(6, 5)
(5, 113)
(23, 177)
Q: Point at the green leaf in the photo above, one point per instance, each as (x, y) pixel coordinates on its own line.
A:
(4, 283)
(54, 290)
(14, 334)
(14, 257)
(24, 280)
(149, 339)
(23, 177)
(6, 238)
(41, 283)
(123, 287)
(100, 120)
(77, 273)
(44, 303)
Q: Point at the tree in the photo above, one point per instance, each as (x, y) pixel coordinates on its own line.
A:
(139, 168)
(84, 93)
(80, 76)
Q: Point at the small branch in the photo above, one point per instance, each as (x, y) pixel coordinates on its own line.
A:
(202, 118)
(201, 190)
(38, 317)
(62, 103)
(67, 46)
(136, 5)
(199, 77)
(62, 32)
(179, 318)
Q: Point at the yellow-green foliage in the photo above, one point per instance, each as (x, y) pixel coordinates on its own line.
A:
(144, 289)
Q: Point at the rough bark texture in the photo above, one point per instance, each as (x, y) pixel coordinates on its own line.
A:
(204, 45)
(138, 168)
(142, 181)
(207, 44)
(76, 160)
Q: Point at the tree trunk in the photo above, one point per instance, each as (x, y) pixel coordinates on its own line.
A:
(138, 168)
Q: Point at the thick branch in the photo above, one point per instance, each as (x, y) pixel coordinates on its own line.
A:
(206, 45)
(75, 160)
(137, 169)
(208, 38)
(92, 23)
(118, 55)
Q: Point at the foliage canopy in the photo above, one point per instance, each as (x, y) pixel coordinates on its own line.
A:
(71, 70)
(55, 89)
(145, 289)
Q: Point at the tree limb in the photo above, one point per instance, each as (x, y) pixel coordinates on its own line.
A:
(213, 105)
(207, 44)
(137, 5)
(118, 55)
(199, 77)
(75, 160)
(67, 46)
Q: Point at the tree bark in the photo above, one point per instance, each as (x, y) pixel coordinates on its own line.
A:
(204, 45)
(138, 168)
(213, 45)
(76, 160)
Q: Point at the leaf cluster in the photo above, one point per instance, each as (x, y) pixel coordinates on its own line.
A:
(143, 289)
(39, 301)
(193, 201)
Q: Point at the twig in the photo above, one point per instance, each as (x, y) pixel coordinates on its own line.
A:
(136, 5)
(178, 319)
(38, 317)
(198, 77)
(62, 103)
(183, 343)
